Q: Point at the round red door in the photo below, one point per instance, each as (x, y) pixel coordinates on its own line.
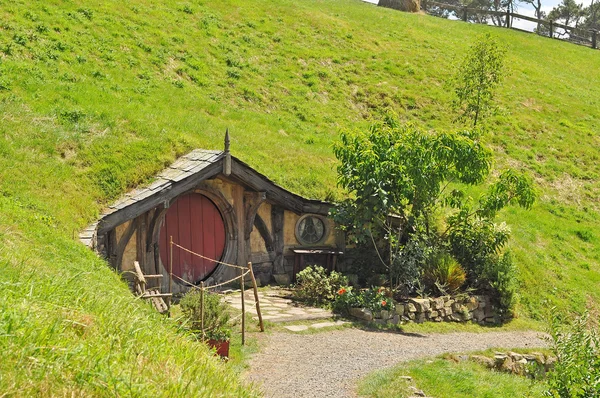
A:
(195, 223)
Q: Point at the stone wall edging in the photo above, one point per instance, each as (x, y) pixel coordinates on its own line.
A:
(462, 308)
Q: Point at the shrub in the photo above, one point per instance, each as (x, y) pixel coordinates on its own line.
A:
(372, 299)
(444, 274)
(316, 287)
(577, 370)
(477, 244)
(500, 275)
(216, 315)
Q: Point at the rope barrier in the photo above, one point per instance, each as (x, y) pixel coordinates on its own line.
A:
(212, 286)
(208, 258)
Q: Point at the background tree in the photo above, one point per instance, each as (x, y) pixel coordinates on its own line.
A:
(568, 13)
(478, 76)
(537, 8)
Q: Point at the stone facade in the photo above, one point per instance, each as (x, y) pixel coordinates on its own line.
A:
(439, 309)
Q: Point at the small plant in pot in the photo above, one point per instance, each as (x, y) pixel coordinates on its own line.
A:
(208, 318)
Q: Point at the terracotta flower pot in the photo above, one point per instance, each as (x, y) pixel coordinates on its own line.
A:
(222, 347)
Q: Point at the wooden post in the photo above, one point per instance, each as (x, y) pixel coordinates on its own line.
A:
(464, 16)
(202, 308)
(260, 320)
(171, 270)
(243, 310)
(594, 39)
(508, 18)
(551, 29)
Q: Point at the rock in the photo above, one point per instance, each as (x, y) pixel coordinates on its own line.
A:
(437, 303)
(385, 314)
(448, 311)
(507, 365)
(411, 307)
(361, 313)
(456, 306)
(417, 392)
(422, 305)
(420, 317)
(411, 316)
(400, 309)
(515, 356)
(449, 303)
(438, 319)
(407, 378)
(282, 279)
(456, 318)
(396, 319)
(499, 360)
(472, 303)
(478, 315)
(483, 360)
(433, 314)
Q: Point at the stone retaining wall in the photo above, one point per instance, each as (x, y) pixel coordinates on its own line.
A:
(440, 309)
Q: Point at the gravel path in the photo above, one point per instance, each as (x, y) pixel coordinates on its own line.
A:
(329, 364)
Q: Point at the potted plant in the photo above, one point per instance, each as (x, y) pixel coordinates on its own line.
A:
(214, 329)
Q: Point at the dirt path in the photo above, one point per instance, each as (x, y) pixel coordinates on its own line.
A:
(329, 364)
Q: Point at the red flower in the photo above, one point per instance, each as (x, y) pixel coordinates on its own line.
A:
(341, 291)
(383, 303)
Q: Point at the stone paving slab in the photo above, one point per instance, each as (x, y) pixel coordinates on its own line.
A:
(296, 328)
(274, 307)
(321, 325)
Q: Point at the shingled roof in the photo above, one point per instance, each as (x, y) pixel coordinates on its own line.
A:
(183, 175)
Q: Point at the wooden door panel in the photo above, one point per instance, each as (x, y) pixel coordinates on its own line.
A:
(196, 224)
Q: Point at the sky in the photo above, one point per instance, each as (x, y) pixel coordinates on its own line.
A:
(525, 9)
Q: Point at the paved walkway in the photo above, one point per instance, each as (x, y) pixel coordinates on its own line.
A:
(276, 306)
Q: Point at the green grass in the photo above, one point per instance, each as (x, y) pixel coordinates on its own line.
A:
(96, 98)
(70, 326)
(444, 378)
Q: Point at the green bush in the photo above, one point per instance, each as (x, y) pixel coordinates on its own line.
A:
(476, 244)
(216, 315)
(577, 370)
(500, 274)
(316, 287)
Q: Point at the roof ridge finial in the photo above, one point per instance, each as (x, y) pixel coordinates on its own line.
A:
(227, 157)
(227, 140)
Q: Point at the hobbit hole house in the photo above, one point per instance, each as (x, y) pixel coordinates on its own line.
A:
(213, 204)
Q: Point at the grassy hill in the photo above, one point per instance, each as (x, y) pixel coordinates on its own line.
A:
(96, 98)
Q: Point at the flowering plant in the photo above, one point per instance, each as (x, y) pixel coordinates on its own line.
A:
(373, 299)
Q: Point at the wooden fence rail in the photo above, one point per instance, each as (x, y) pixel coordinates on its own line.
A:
(571, 33)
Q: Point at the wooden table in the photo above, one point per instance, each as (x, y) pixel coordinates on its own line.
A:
(299, 254)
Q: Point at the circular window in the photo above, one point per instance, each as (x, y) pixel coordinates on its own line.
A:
(310, 229)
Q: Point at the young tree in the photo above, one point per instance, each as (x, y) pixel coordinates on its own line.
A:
(479, 74)
(401, 176)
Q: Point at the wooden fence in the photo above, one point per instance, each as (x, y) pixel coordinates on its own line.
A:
(505, 19)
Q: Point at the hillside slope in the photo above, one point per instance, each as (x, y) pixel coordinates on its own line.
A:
(96, 98)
